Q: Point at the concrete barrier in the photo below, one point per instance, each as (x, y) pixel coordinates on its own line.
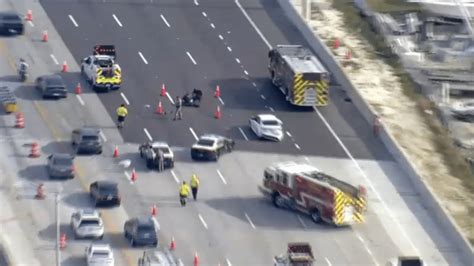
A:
(430, 201)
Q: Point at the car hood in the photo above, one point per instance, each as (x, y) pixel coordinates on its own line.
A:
(200, 147)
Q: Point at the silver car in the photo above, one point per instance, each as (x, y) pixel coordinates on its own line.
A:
(87, 224)
(463, 109)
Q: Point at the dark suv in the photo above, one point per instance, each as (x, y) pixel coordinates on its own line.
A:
(87, 140)
(11, 23)
(141, 231)
(105, 193)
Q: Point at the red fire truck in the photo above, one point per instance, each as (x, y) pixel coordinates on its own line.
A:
(304, 188)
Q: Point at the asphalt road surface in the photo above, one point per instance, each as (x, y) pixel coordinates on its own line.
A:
(201, 44)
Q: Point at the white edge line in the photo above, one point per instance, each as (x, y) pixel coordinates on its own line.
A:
(79, 98)
(117, 20)
(193, 133)
(191, 57)
(301, 221)
(169, 97)
(228, 262)
(175, 177)
(147, 134)
(73, 20)
(249, 220)
(220, 100)
(143, 58)
(327, 260)
(221, 176)
(243, 133)
(165, 21)
(202, 221)
(124, 98)
(54, 59)
(253, 24)
(102, 135)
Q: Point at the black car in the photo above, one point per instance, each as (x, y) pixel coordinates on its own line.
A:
(51, 86)
(61, 165)
(141, 231)
(11, 23)
(105, 193)
(87, 140)
(211, 147)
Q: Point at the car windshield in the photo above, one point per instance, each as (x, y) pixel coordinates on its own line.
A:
(90, 138)
(206, 142)
(108, 189)
(100, 253)
(55, 87)
(11, 18)
(89, 222)
(163, 149)
(63, 161)
(104, 62)
(270, 123)
(145, 229)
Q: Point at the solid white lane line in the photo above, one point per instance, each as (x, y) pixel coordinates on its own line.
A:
(253, 24)
(221, 176)
(238, 60)
(79, 98)
(228, 48)
(301, 221)
(367, 179)
(54, 59)
(196, 3)
(194, 134)
(212, 26)
(243, 133)
(271, 109)
(165, 21)
(220, 37)
(262, 96)
(73, 21)
(175, 177)
(191, 57)
(102, 135)
(124, 98)
(246, 73)
(254, 84)
(143, 58)
(288, 133)
(328, 262)
(117, 20)
(148, 134)
(169, 97)
(220, 100)
(204, 14)
(202, 221)
(228, 262)
(297, 146)
(249, 220)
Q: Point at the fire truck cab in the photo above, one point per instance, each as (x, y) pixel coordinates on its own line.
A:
(304, 188)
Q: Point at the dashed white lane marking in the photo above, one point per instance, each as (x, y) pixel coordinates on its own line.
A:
(194, 134)
(202, 221)
(169, 97)
(254, 84)
(196, 3)
(288, 133)
(237, 60)
(31, 23)
(81, 101)
(220, 100)
(228, 262)
(204, 14)
(117, 20)
(243, 133)
(271, 109)
(73, 21)
(297, 146)
(54, 59)
(165, 21)
(212, 26)
(253, 24)
(220, 37)
(175, 177)
(328, 262)
(250, 221)
(191, 57)
(301, 221)
(230, 50)
(221, 176)
(102, 135)
(246, 73)
(148, 134)
(124, 98)
(262, 96)
(367, 248)
(143, 58)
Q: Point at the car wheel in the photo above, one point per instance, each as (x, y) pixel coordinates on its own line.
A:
(101, 237)
(155, 244)
(316, 216)
(132, 242)
(99, 152)
(172, 164)
(278, 201)
(149, 164)
(141, 153)
(82, 70)
(217, 155)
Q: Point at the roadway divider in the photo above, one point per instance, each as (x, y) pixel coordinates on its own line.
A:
(429, 199)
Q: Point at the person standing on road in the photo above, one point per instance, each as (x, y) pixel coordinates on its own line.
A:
(194, 185)
(122, 112)
(161, 160)
(179, 106)
(183, 193)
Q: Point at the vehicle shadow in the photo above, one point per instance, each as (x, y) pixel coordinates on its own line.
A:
(74, 261)
(57, 147)
(10, 78)
(49, 233)
(79, 200)
(118, 241)
(35, 173)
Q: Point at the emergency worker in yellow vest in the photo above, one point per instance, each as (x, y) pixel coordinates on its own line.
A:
(183, 193)
(122, 112)
(194, 185)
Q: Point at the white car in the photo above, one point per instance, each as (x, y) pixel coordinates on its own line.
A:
(267, 126)
(99, 255)
(87, 224)
(463, 108)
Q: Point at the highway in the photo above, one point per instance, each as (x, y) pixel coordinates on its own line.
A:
(200, 44)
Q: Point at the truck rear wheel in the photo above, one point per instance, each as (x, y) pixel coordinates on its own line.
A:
(316, 216)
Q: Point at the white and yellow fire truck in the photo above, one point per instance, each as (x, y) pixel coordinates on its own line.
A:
(304, 188)
(100, 69)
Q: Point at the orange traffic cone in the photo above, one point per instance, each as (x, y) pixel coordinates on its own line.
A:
(64, 69)
(19, 120)
(336, 44)
(134, 175)
(196, 259)
(29, 15)
(217, 94)
(78, 89)
(172, 244)
(45, 36)
(159, 108)
(154, 210)
(35, 152)
(40, 192)
(116, 152)
(218, 114)
(62, 241)
(163, 90)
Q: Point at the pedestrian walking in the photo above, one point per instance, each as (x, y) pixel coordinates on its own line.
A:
(179, 107)
(122, 113)
(161, 160)
(194, 185)
(183, 193)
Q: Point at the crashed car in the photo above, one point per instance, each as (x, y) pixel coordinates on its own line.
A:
(211, 147)
(192, 99)
(267, 126)
(149, 151)
(463, 109)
